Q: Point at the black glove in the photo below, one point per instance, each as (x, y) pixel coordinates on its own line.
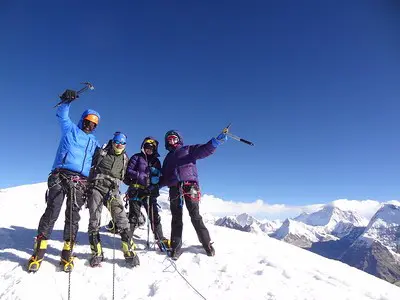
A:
(69, 95)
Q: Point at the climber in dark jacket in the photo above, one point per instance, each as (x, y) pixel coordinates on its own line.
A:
(179, 173)
(142, 176)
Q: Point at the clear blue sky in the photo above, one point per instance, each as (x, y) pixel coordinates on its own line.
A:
(314, 85)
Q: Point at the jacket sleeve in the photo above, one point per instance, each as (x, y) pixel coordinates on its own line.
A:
(63, 117)
(94, 163)
(201, 150)
(132, 175)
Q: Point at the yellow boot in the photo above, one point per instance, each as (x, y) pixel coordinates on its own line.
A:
(131, 258)
(67, 260)
(39, 249)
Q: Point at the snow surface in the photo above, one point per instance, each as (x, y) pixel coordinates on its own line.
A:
(246, 266)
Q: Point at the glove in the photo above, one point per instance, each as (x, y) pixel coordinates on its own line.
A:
(155, 175)
(69, 95)
(155, 180)
(220, 139)
(155, 171)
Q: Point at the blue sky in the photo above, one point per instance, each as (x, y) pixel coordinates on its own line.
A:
(314, 85)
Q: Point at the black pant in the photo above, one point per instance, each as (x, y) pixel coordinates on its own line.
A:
(60, 184)
(192, 205)
(152, 214)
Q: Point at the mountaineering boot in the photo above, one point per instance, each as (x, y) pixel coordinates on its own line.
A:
(175, 250)
(209, 249)
(67, 260)
(128, 247)
(131, 258)
(174, 253)
(164, 244)
(97, 251)
(39, 249)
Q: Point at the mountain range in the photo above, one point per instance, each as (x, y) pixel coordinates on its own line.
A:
(369, 245)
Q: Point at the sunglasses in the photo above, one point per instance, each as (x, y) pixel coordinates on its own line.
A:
(119, 143)
(148, 146)
(88, 123)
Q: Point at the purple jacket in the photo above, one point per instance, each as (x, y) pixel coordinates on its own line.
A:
(138, 170)
(180, 164)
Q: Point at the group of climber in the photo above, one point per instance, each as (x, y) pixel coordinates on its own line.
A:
(85, 172)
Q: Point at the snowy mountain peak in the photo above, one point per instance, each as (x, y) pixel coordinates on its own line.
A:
(329, 216)
(384, 226)
(301, 234)
(245, 219)
(242, 222)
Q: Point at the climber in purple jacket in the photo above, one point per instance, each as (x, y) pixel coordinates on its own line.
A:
(179, 173)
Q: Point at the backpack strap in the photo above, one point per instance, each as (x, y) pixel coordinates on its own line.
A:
(99, 156)
(126, 160)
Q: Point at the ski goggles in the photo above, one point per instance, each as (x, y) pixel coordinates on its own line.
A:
(90, 124)
(149, 146)
(119, 138)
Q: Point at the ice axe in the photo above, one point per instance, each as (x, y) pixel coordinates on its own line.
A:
(88, 86)
(235, 137)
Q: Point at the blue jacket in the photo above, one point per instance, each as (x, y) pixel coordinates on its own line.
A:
(76, 148)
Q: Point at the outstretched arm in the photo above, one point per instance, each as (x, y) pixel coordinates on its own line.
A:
(202, 150)
(63, 117)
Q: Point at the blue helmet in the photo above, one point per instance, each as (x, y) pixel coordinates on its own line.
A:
(119, 138)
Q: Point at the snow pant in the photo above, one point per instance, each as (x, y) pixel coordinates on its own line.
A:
(135, 205)
(95, 202)
(63, 183)
(178, 196)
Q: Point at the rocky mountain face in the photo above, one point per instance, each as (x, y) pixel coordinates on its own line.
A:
(334, 249)
(376, 250)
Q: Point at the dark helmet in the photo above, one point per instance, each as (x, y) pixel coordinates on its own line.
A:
(150, 142)
(173, 134)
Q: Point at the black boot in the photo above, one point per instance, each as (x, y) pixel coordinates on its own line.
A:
(176, 248)
(209, 249)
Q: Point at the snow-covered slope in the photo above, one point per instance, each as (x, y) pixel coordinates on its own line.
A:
(261, 268)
